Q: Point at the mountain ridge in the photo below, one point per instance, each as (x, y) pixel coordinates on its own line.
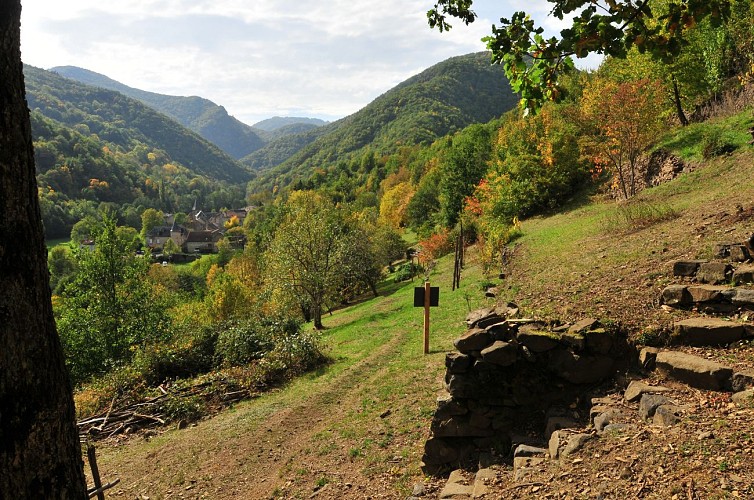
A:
(201, 115)
(438, 101)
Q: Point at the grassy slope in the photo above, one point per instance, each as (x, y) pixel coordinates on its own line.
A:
(324, 428)
(611, 260)
(332, 429)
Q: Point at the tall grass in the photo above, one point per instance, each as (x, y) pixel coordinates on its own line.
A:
(634, 215)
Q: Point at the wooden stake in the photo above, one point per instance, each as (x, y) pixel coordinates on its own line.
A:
(90, 453)
(426, 317)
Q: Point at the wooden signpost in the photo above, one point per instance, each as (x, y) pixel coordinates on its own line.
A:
(426, 297)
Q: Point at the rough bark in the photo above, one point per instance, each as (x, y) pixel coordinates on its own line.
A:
(40, 455)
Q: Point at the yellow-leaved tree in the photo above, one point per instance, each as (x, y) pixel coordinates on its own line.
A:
(626, 118)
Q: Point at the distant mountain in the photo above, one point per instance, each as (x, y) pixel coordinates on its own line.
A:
(95, 146)
(277, 122)
(203, 116)
(439, 101)
(125, 120)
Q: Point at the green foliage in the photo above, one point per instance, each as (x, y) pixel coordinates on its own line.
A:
(179, 407)
(195, 113)
(239, 343)
(187, 355)
(108, 309)
(304, 257)
(441, 100)
(93, 146)
(533, 63)
(62, 267)
(462, 165)
(537, 165)
(150, 219)
(407, 271)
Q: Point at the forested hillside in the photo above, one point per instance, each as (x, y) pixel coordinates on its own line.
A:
(441, 100)
(445, 159)
(195, 113)
(98, 146)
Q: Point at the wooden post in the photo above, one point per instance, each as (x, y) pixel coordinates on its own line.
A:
(426, 317)
(90, 453)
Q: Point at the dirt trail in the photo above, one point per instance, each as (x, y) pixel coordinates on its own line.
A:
(258, 450)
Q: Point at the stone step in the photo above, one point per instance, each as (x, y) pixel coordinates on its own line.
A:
(707, 331)
(693, 370)
(712, 298)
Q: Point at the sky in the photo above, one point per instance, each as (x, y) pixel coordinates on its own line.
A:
(258, 59)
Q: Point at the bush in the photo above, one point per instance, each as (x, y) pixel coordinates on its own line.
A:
(437, 245)
(239, 343)
(715, 144)
(189, 408)
(407, 271)
(186, 357)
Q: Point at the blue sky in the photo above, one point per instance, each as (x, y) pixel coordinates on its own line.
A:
(324, 59)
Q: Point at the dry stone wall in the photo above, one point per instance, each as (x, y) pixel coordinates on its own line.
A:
(510, 375)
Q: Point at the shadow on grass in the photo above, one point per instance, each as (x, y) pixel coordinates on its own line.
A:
(386, 288)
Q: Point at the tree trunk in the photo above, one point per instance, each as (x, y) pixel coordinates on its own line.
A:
(677, 101)
(317, 314)
(306, 311)
(40, 455)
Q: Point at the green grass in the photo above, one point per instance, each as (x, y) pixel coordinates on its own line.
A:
(57, 241)
(689, 142)
(378, 365)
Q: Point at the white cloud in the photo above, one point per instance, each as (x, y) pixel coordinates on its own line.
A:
(258, 59)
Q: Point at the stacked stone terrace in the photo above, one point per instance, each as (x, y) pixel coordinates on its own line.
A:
(714, 287)
(517, 382)
(511, 375)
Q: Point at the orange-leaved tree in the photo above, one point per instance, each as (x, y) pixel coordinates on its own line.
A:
(626, 119)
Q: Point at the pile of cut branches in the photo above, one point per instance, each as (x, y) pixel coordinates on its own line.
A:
(179, 403)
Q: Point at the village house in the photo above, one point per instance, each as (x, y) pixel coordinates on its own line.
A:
(157, 236)
(202, 241)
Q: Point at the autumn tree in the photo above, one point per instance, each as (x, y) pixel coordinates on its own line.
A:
(40, 456)
(303, 260)
(394, 204)
(627, 119)
(533, 64)
(535, 165)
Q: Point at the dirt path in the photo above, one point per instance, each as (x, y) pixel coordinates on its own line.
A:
(280, 445)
